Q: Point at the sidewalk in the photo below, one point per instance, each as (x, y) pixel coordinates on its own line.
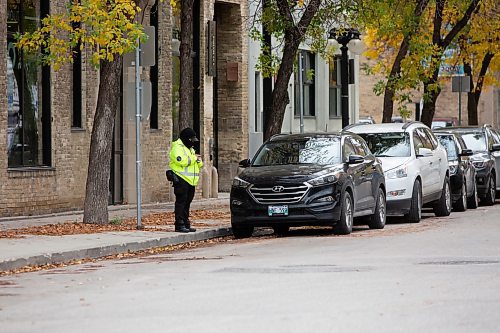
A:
(33, 250)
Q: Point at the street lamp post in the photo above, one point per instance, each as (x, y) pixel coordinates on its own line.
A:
(343, 37)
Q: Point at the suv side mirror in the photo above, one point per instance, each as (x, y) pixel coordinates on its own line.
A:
(424, 152)
(355, 159)
(495, 147)
(245, 163)
(466, 152)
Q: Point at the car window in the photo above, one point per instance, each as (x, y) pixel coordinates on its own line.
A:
(431, 136)
(449, 144)
(417, 142)
(426, 141)
(322, 151)
(474, 140)
(348, 149)
(393, 144)
(496, 136)
(358, 146)
(461, 143)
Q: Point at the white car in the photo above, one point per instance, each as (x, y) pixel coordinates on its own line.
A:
(415, 165)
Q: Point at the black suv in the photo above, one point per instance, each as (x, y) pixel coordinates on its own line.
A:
(308, 179)
(485, 143)
(462, 171)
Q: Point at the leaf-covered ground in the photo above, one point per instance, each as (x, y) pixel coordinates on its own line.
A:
(150, 222)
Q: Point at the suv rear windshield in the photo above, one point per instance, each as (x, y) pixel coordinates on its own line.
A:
(322, 151)
(393, 144)
(474, 140)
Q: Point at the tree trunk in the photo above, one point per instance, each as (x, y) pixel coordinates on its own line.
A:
(293, 36)
(442, 43)
(186, 62)
(389, 87)
(430, 103)
(471, 99)
(97, 189)
(280, 98)
(474, 94)
(390, 91)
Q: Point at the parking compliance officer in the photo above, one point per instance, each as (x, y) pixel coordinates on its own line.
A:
(186, 164)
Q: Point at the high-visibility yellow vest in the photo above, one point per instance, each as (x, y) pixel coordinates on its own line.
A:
(183, 162)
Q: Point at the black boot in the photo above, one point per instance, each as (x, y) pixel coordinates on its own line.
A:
(181, 228)
(188, 226)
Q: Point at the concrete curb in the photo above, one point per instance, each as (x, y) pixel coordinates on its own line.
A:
(102, 251)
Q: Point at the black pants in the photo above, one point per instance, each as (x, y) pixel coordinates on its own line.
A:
(184, 194)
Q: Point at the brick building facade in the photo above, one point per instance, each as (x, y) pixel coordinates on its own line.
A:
(45, 135)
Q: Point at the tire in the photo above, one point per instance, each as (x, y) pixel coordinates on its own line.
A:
(281, 230)
(473, 200)
(415, 213)
(443, 205)
(344, 225)
(377, 220)
(242, 231)
(489, 199)
(461, 204)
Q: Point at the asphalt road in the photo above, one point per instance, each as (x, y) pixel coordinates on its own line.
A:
(441, 275)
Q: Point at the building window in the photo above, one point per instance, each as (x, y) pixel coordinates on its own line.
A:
(258, 110)
(176, 75)
(153, 116)
(334, 88)
(308, 85)
(76, 116)
(28, 91)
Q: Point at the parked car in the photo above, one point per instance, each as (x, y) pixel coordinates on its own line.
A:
(366, 120)
(443, 122)
(308, 179)
(462, 171)
(415, 167)
(485, 143)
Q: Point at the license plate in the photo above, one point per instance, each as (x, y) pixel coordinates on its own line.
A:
(277, 210)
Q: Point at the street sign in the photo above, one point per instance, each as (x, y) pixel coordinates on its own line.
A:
(147, 54)
(460, 83)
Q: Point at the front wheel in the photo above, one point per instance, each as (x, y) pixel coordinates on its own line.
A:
(377, 220)
(489, 199)
(344, 226)
(242, 231)
(473, 200)
(443, 205)
(461, 204)
(415, 213)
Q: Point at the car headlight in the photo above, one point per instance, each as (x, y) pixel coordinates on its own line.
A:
(480, 164)
(323, 180)
(238, 182)
(453, 167)
(400, 172)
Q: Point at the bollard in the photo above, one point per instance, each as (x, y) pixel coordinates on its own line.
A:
(205, 183)
(215, 182)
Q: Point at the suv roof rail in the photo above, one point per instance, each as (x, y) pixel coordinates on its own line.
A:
(409, 123)
(348, 127)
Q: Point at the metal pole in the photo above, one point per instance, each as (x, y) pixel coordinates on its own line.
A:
(344, 85)
(460, 102)
(138, 133)
(301, 92)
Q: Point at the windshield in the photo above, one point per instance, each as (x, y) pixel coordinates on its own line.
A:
(449, 144)
(394, 144)
(320, 151)
(475, 141)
